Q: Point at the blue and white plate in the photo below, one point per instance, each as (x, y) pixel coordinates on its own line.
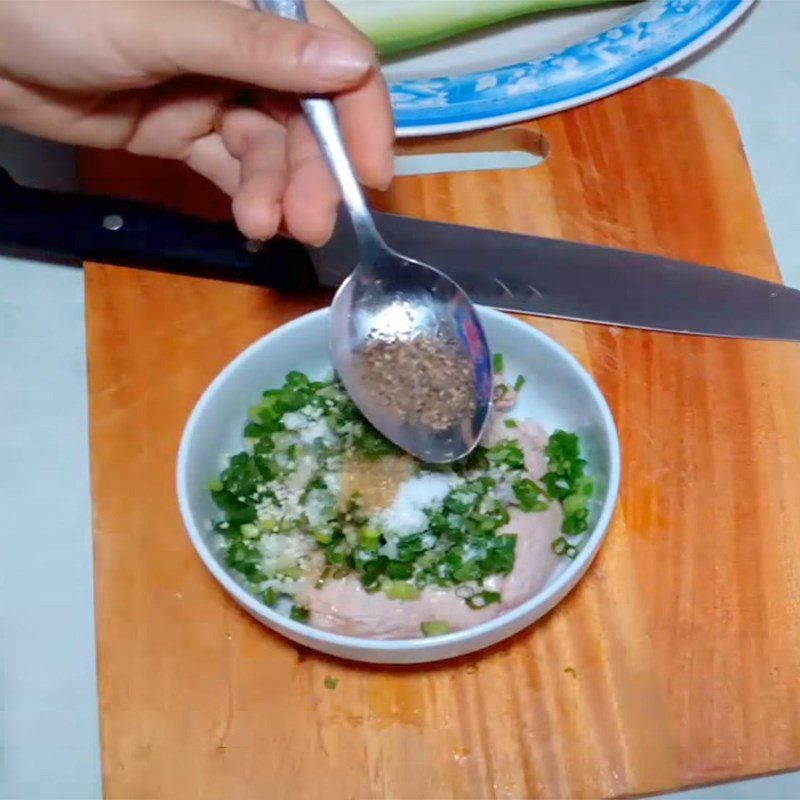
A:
(553, 62)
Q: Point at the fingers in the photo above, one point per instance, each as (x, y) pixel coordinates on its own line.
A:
(84, 45)
(170, 117)
(365, 118)
(209, 157)
(365, 114)
(259, 143)
(116, 75)
(311, 199)
(225, 41)
(363, 108)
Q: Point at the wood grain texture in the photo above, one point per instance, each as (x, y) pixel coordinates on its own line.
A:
(675, 661)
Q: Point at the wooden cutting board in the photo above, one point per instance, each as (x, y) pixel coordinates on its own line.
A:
(677, 659)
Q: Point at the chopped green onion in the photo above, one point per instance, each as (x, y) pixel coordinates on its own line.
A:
(529, 496)
(469, 571)
(483, 599)
(252, 431)
(215, 485)
(250, 531)
(331, 683)
(399, 570)
(323, 576)
(369, 538)
(574, 502)
(293, 573)
(299, 614)
(371, 572)
(519, 382)
(372, 445)
(560, 546)
(399, 590)
(435, 628)
(565, 481)
(501, 555)
(510, 423)
(575, 523)
(507, 453)
(270, 597)
(497, 363)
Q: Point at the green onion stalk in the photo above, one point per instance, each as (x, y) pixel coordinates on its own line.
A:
(397, 26)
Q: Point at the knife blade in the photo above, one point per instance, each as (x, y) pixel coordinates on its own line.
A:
(513, 272)
(589, 283)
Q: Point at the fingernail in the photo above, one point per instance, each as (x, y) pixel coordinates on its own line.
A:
(335, 59)
(383, 184)
(388, 174)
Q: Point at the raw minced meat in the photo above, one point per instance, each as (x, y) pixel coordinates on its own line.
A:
(327, 521)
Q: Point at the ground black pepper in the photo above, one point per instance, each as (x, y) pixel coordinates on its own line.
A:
(427, 380)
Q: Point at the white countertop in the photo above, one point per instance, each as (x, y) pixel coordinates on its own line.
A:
(48, 701)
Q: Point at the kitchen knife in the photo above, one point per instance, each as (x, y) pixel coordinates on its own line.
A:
(527, 274)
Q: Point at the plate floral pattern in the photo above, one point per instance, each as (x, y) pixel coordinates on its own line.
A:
(653, 36)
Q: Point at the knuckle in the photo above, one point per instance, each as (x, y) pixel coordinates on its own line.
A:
(276, 43)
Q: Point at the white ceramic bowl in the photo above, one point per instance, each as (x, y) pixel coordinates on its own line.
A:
(558, 393)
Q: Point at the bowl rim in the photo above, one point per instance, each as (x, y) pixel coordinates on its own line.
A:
(565, 581)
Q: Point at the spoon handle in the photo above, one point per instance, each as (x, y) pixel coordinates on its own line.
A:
(321, 116)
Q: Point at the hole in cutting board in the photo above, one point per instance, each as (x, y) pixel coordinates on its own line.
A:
(504, 148)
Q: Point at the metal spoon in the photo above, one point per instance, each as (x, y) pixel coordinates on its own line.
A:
(390, 297)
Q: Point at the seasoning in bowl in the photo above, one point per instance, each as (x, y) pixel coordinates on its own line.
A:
(326, 522)
(427, 380)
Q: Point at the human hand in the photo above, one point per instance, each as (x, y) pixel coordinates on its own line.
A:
(166, 78)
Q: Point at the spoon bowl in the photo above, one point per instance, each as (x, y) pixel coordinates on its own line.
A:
(400, 301)
(408, 308)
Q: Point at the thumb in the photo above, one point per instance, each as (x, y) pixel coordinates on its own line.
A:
(219, 39)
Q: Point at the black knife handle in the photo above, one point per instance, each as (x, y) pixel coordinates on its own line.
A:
(116, 231)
